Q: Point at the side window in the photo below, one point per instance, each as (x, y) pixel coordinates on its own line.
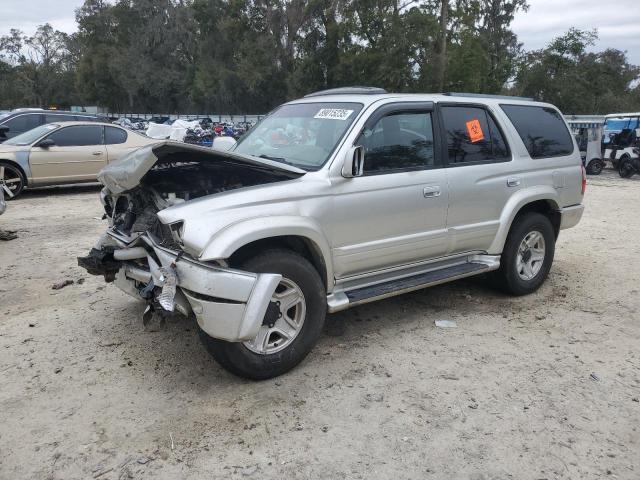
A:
(114, 136)
(52, 118)
(399, 141)
(472, 136)
(77, 136)
(23, 123)
(542, 130)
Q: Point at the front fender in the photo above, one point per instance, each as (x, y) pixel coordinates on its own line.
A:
(514, 205)
(226, 241)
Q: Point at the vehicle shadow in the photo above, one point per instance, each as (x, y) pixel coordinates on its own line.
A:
(59, 190)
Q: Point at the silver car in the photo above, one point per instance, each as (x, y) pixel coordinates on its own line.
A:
(334, 200)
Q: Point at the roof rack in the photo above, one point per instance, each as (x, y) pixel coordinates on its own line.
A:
(348, 91)
(482, 95)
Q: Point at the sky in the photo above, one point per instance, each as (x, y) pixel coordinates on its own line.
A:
(617, 21)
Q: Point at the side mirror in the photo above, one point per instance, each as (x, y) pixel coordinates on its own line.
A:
(3, 130)
(353, 165)
(46, 143)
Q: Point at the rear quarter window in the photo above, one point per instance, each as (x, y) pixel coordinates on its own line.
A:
(542, 130)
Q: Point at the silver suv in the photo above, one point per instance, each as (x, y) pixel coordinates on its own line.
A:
(340, 198)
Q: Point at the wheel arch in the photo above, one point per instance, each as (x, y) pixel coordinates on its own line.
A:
(299, 234)
(543, 202)
(18, 166)
(297, 243)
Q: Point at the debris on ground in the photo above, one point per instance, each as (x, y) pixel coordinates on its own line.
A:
(62, 284)
(8, 235)
(446, 324)
(594, 377)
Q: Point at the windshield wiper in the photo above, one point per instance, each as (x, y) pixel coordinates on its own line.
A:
(277, 159)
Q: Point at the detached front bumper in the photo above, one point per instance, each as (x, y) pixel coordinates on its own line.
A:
(228, 304)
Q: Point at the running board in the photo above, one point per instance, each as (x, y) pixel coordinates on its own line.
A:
(346, 299)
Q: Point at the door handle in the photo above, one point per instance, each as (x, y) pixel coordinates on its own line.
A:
(513, 182)
(97, 153)
(430, 192)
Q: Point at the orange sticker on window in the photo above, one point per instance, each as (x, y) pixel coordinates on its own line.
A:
(475, 130)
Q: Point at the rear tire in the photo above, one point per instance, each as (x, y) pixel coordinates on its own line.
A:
(595, 167)
(626, 170)
(527, 255)
(12, 180)
(258, 359)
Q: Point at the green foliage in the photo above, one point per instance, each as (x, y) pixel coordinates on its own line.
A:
(251, 55)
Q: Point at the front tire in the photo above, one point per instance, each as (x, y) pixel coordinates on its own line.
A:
(527, 255)
(12, 180)
(292, 325)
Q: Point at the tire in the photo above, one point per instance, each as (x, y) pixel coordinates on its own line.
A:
(12, 180)
(595, 167)
(510, 277)
(245, 359)
(625, 169)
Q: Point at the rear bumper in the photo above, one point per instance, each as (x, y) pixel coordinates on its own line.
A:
(570, 216)
(228, 304)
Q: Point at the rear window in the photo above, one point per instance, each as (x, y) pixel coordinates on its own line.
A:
(542, 130)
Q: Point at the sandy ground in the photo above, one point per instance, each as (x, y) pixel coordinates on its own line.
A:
(540, 387)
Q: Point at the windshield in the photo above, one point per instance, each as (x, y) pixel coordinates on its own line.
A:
(27, 138)
(616, 125)
(4, 114)
(303, 134)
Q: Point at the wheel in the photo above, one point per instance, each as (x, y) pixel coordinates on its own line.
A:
(625, 169)
(12, 180)
(595, 166)
(291, 327)
(527, 255)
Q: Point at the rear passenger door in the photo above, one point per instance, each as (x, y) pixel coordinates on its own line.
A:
(480, 175)
(115, 139)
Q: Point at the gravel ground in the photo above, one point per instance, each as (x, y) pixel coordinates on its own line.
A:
(540, 387)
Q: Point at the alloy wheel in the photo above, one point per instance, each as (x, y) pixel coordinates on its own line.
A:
(283, 321)
(531, 254)
(10, 180)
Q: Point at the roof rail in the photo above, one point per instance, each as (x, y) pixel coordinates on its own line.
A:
(482, 95)
(348, 91)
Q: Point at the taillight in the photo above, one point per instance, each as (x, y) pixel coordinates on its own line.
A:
(584, 180)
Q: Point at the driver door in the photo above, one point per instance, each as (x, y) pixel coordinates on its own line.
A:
(78, 154)
(395, 214)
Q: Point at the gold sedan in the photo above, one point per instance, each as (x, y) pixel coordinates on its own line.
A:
(63, 153)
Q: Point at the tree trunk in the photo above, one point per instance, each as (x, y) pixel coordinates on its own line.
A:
(444, 14)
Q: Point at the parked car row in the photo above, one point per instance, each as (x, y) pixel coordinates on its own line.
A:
(63, 152)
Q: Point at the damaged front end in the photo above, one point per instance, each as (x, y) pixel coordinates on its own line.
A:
(145, 258)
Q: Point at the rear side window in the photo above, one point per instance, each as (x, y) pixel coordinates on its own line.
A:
(542, 130)
(472, 136)
(114, 136)
(77, 136)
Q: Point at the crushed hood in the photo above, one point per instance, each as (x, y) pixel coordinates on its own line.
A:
(126, 173)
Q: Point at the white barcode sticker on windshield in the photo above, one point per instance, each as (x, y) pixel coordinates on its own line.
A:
(333, 113)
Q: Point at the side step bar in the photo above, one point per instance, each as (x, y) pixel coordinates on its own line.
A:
(346, 299)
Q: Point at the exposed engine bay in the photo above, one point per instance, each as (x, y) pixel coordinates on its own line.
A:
(177, 178)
